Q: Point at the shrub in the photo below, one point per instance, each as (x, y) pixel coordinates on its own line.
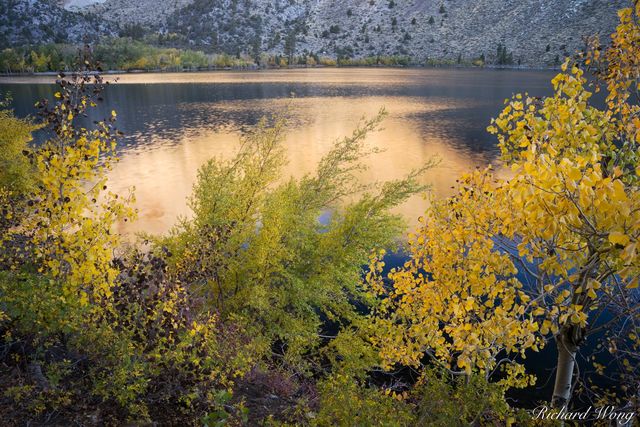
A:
(441, 399)
(280, 278)
(16, 173)
(343, 401)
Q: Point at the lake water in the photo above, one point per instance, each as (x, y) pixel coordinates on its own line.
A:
(173, 123)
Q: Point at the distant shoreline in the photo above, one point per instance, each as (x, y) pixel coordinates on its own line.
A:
(258, 69)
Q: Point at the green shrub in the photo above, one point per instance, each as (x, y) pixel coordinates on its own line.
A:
(445, 401)
(258, 254)
(344, 402)
(16, 173)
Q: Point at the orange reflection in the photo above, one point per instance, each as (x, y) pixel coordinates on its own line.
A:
(164, 172)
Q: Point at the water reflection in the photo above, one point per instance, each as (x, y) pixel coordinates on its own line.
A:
(175, 122)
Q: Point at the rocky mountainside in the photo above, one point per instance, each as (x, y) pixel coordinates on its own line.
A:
(531, 32)
(233, 26)
(78, 4)
(145, 12)
(44, 21)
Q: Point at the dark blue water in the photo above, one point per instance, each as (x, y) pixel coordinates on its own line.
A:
(173, 123)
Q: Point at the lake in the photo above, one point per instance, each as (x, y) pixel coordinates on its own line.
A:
(173, 123)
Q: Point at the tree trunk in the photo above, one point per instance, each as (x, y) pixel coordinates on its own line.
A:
(567, 347)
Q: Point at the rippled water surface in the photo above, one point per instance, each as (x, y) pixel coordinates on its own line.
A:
(173, 123)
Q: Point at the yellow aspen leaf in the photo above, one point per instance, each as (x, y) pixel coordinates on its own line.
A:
(618, 238)
(574, 174)
(619, 193)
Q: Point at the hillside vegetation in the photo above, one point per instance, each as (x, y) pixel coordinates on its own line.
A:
(528, 32)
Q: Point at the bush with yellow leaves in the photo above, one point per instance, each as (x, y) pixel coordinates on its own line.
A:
(506, 264)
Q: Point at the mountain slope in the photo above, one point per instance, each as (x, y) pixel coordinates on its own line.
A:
(143, 12)
(239, 26)
(469, 29)
(531, 32)
(44, 21)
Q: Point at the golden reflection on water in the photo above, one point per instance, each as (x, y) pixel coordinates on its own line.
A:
(164, 171)
(323, 76)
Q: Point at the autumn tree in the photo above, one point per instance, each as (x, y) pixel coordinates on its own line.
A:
(457, 299)
(506, 264)
(618, 71)
(84, 320)
(70, 217)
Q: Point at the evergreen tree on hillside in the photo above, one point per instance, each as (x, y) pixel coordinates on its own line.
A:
(502, 56)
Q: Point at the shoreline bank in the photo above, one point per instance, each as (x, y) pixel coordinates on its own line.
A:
(258, 69)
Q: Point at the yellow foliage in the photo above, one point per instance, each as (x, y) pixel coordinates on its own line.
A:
(568, 219)
(457, 298)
